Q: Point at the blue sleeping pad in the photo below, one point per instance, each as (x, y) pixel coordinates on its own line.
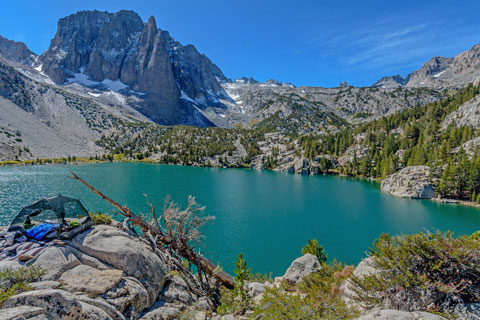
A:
(38, 232)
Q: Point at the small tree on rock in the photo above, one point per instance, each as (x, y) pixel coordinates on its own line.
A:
(313, 248)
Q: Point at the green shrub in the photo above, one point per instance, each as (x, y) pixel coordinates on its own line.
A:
(15, 281)
(313, 248)
(100, 218)
(266, 277)
(475, 236)
(318, 297)
(437, 268)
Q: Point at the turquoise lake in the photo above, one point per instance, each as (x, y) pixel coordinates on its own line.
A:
(268, 216)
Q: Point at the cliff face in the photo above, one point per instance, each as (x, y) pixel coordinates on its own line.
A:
(118, 51)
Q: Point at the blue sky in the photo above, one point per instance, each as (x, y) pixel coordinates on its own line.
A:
(316, 43)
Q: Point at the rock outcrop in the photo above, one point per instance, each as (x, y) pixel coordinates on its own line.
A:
(468, 114)
(300, 268)
(410, 182)
(115, 248)
(366, 267)
(22, 312)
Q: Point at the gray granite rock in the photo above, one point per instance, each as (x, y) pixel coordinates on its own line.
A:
(21, 311)
(117, 249)
(399, 315)
(301, 267)
(411, 182)
(59, 304)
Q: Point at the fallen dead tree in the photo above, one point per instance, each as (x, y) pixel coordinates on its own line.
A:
(174, 230)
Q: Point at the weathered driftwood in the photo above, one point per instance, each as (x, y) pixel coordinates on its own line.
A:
(180, 247)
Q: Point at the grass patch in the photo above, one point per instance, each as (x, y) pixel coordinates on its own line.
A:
(100, 218)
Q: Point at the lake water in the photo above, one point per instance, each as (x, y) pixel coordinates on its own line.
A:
(268, 216)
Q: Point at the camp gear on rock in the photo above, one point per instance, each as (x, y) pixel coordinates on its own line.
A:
(11, 252)
(31, 232)
(39, 232)
(72, 233)
(58, 242)
(30, 247)
(25, 257)
(16, 228)
(53, 234)
(49, 209)
(9, 239)
(75, 224)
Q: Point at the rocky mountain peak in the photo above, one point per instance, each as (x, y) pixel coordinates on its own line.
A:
(152, 23)
(429, 72)
(86, 36)
(440, 72)
(16, 51)
(435, 65)
(249, 80)
(119, 52)
(273, 82)
(390, 82)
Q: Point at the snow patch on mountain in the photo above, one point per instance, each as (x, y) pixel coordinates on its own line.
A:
(185, 97)
(439, 74)
(83, 79)
(116, 85)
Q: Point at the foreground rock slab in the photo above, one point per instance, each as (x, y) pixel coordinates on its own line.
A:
(115, 248)
(399, 315)
(94, 283)
(104, 273)
(21, 312)
(58, 304)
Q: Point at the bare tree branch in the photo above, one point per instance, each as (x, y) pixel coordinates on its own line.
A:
(180, 228)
